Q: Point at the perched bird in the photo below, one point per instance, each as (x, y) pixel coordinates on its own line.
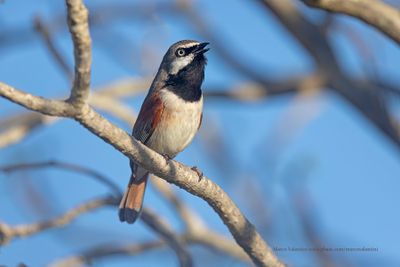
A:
(170, 115)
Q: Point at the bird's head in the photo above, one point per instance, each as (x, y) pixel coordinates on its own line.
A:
(185, 56)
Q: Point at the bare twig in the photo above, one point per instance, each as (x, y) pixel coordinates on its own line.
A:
(64, 166)
(105, 251)
(166, 233)
(306, 33)
(16, 127)
(125, 87)
(196, 230)
(113, 107)
(382, 16)
(190, 219)
(56, 54)
(250, 91)
(200, 235)
(217, 242)
(7, 233)
(100, 252)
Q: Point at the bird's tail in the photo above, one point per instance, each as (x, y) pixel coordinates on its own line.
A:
(132, 201)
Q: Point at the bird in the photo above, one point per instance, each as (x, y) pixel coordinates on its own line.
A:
(170, 116)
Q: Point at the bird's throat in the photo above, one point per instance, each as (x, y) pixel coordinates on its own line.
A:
(186, 84)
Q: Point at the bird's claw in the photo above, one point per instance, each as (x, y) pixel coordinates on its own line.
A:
(198, 172)
(166, 157)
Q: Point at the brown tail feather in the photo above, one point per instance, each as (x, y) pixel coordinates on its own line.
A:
(132, 201)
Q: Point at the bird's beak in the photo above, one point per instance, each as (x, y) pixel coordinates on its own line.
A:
(201, 48)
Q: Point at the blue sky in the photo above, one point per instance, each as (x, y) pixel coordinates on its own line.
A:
(338, 161)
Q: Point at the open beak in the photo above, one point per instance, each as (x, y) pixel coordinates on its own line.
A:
(201, 48)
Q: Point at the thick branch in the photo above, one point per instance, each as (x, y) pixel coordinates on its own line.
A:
(241, 229)
(79, 29)
(378, 14)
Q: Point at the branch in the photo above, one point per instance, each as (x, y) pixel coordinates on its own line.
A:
(167, 234)
(104, 251)
(249, 91)
(88, 257)
(107, 99)
(305, 32)
(54, 52)
(37, 103)
(190, 220)
(7, 233)
(113, 107)
(64, 166)
(196, 230)
(242, 230)
(14, 128)
(368, 102)
(79, 29)
(382, 16)
(217, 242)
(173, 172)
(199, 235)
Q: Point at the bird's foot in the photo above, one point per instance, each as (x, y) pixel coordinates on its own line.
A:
(198, 172)
(166, 157)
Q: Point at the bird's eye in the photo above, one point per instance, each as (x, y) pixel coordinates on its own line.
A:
(180, 52)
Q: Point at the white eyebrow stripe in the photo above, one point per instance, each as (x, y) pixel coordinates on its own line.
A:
(189, 45)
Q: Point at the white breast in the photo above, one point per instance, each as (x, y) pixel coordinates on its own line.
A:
(179, 124)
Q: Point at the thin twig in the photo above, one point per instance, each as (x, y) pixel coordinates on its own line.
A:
(191, 221)
(166, 233)
(90, 256)
(64, 166)
(106, 251)
(196, 229)
(16, 127)
(51, 46)
(7, 233)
